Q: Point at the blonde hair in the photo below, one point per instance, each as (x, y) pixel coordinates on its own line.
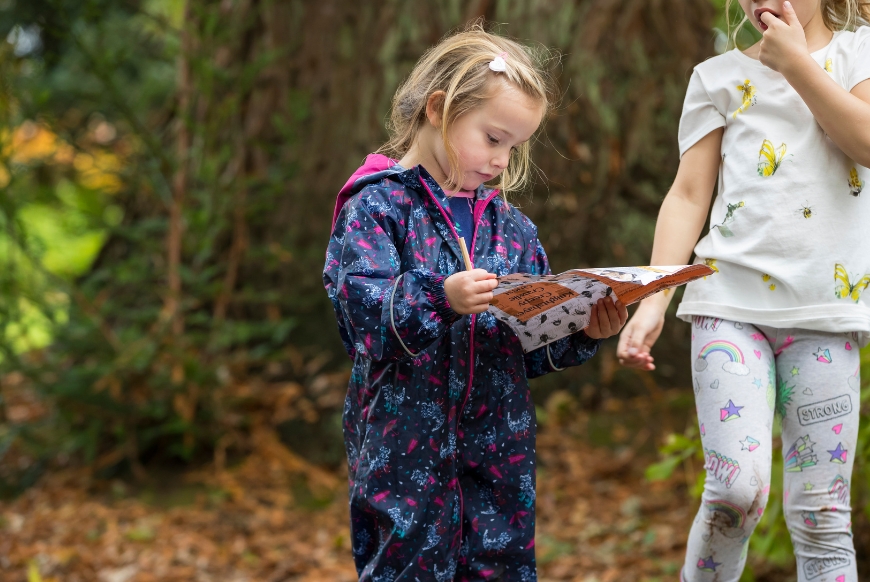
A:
(459, 66)
(837, 15)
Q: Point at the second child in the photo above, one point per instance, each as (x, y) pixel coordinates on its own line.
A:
(784, 127)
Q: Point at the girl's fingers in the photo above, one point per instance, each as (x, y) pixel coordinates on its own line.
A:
(480, 287)
(480, 302)
(616, 318)
(625, 348)
(633, 352)
(483, 302)
(790, 15)
(639, 363)
(487, 285)
(637, 357)
(647, 350)
(593, 321)
(622, 310)
(608, 319)
(480, 275)
(612, 315)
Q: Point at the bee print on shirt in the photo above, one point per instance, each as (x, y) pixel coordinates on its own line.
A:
(805, 210)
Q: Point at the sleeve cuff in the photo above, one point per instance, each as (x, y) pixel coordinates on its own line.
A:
(588, 341)
(687, 142)
(436, 294)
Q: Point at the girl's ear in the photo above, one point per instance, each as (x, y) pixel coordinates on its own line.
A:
(435, 108)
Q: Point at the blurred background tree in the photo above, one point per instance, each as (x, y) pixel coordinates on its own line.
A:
(167, 177)
(171, 168)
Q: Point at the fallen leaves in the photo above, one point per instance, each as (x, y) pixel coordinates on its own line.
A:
(275, 517)
(241, 525)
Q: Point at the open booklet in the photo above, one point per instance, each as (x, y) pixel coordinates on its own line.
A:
(543, 309)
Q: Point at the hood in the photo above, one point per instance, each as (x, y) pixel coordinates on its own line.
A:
(374, 168)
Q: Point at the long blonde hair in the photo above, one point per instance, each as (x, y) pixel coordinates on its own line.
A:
(459, 66)
(837, 15)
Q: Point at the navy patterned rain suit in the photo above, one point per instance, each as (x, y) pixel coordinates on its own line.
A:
(439, 423)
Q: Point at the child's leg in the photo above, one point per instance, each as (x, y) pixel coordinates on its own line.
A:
(732, 369)
(497, 452)
(404, 503)
(818, 386)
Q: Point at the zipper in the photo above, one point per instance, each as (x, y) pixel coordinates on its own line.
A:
(479, 207)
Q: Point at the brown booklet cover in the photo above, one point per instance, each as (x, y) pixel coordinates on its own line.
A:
(544, 308)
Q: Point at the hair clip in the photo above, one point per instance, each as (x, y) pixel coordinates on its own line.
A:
(497, 64)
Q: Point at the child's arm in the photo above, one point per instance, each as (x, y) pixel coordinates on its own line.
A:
(844, 115)
(679, 225)
(383, 313)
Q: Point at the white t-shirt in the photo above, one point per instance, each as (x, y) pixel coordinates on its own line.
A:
(790, 226)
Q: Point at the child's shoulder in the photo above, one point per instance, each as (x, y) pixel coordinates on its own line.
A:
(852, 40)
(860, 33)
(388, 189)
(715, 65)
(513, 213)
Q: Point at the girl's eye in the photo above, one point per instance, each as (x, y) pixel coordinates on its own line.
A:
(492, 140)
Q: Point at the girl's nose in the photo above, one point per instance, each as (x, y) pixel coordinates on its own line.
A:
(501, 161)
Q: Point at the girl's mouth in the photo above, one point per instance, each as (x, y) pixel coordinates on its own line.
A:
(758, 14)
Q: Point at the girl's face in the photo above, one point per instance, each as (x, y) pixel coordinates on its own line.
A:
(805, 10)
(484, 137)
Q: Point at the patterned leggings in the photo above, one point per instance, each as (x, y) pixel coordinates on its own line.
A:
(742, 374)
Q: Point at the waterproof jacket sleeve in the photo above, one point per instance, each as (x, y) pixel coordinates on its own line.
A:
(383, 313)
(571, 350)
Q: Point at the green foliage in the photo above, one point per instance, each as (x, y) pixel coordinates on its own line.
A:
(678, 450)
(742, 33)
(84, 117)
(165, 243)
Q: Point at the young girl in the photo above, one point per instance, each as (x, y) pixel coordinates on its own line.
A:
(786, 126)
(438, 421)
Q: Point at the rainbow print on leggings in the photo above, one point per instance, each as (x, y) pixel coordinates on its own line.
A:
(735, 365)
(735, 514)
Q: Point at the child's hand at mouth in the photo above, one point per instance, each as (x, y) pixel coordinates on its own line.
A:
(783, 43)
(758, 18)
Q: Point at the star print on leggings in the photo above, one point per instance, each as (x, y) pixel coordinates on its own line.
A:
(707, 564)
(839, 455)
(730, 412)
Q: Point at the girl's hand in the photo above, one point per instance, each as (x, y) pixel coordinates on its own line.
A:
(470, 291)
(607, 318)
(638, 337)
(783, 43)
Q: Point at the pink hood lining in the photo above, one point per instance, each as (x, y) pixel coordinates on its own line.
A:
(373, 164)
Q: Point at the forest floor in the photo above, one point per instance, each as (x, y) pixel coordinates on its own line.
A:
(273, 517)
